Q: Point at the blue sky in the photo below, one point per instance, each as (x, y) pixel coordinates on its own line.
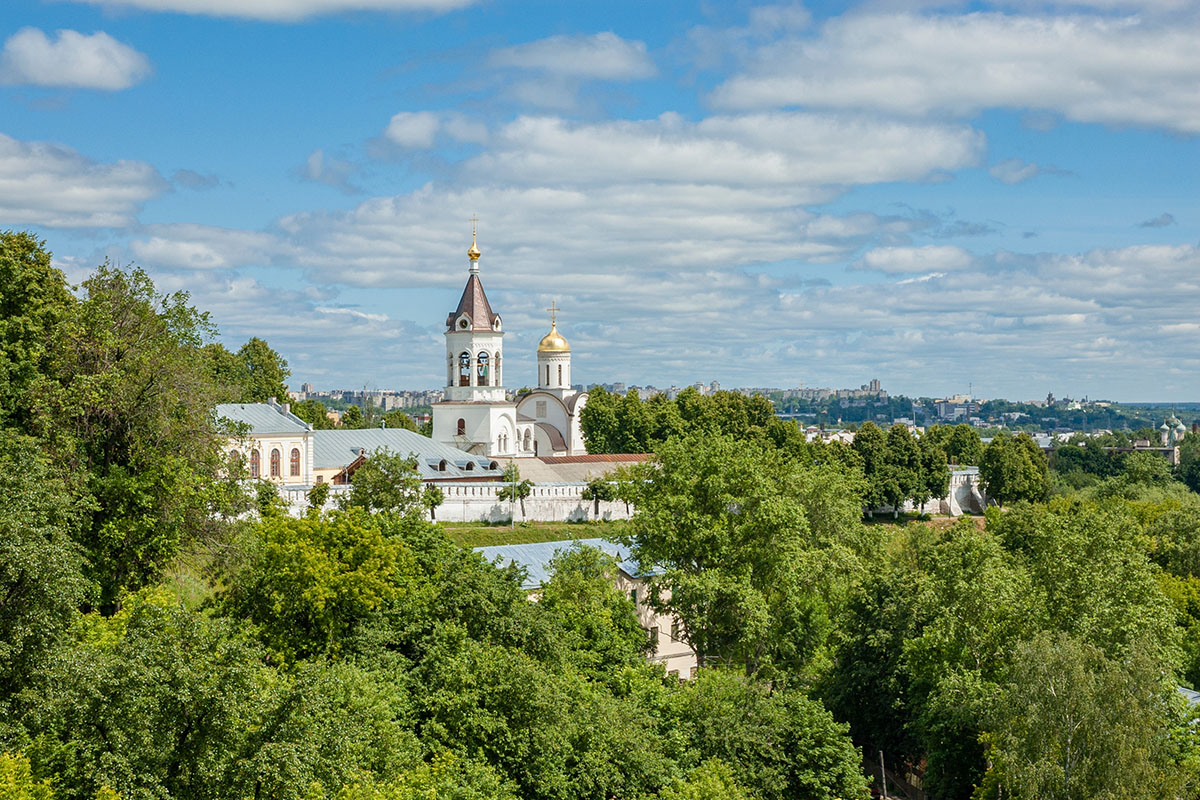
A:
(934, 194)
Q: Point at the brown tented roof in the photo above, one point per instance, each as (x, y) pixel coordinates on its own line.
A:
(474, 304)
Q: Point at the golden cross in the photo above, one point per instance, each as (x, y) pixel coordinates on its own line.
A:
(473, 220)
(553, 309)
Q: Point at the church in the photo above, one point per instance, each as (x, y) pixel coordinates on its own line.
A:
(476, 414)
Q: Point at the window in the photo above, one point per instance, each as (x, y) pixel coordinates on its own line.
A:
(294, 465)
(560, 374)
(464, 368)
(255, 460)
(235, 459)
(320, 479)
(541, 407)
(633, 596)
(547, 374)
(275, 459)
(442, 463)
(483, 370)
(462, 427)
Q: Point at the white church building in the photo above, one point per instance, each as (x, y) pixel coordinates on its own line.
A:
(476, 414)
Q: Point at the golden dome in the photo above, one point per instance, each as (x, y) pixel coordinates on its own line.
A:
(473, 253)
(553, 342)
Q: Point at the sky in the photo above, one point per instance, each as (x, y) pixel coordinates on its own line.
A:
(996, 197)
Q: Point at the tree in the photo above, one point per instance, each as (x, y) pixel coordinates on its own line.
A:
(314, 413)
(964, 446)
(778, 743)
(598, 421)
(353, 418)
(317, 497)
(432, 497)
(514, 488)
(1071, 724)
(714, 778)
(386, 482)
(736, 534)
(266, 372)
(126, 408)
(34, 300)
(308, 584)
(935, 473)
(41, 568)
(17, 781)
(1013, 469)
(902, 469)
(871, 446)
(597, 489)
(398, 419)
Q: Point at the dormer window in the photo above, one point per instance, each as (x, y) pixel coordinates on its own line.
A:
(462, 323)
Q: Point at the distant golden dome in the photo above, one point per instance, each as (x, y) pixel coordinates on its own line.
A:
(473, 253)
(553, 342)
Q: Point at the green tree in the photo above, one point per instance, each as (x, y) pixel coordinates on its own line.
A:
(34, 300)
(309, 584)
(227, 371)
(353, 418)
(633, 424)
(314, 413)
(964, 446)
(41, 577)
(598, 623)
(779, 744)
(431, 497)
(870, 444)
(737, 533)
(935, 473)
(398, 419)
(317, 497)
(1013, 469)
(598, 489)
(515, 488)
(1061, 733)
(266, 372)
(386, 482)
(598, 421)
(446, 777)
(17, 781)
(714, 778)
(127, 409)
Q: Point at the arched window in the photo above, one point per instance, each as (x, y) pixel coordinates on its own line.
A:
(496, 369)
(547, 374)
(469, 466)
(442, 465)
(528, 439)
(464, 368)
(255, 461)
(560, 374)
(294, 465)
(235, 459)
(275, 459)
(462, 427)
(483, 370)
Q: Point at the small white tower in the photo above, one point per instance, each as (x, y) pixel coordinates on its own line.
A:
(554, 360)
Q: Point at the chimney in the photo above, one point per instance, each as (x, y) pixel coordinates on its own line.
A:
(287, 408)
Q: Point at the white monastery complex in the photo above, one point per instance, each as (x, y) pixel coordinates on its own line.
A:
(476, 415)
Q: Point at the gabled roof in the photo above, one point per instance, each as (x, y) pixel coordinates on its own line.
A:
(474, 304)
(263, 418)
(339, 448)
(535, 558)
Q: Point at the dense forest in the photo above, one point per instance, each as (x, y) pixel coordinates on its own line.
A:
(167, 632)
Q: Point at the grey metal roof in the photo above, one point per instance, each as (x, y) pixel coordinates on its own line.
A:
(536, 557)
(340, 447)
(262, 417)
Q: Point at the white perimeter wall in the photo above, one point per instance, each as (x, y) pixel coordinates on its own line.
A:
(477, 502)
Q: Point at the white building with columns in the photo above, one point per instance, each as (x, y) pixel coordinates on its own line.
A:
(476, 414)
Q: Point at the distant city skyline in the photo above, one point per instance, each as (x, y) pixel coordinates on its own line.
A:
(999, 194)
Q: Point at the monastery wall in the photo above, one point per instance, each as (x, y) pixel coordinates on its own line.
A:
(477, 502)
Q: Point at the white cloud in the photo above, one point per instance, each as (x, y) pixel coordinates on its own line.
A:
(330, 171)
(1013, 170)
(1124, 71)
(775, 149)
(282, 10)
(202, 247)
(907, 260)
(73, 60)
(52, 185)
(413, 129)
(601, 56)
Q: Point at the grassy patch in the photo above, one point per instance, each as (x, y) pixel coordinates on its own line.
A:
(473, 534)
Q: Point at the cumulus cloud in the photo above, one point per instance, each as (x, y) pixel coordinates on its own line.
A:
(907, 260)
(1125, 71)
(282, 10)
(52, 185)
(413, 129)
(73, 60)
(203, 247)
(774, 149)
(601, 56)
(1163, 220)
(194, 180)
(330, 171)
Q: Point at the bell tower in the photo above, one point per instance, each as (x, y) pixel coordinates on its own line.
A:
(474, 335)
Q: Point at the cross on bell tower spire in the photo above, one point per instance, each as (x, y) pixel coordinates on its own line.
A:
(473, 253)
(553, 309)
